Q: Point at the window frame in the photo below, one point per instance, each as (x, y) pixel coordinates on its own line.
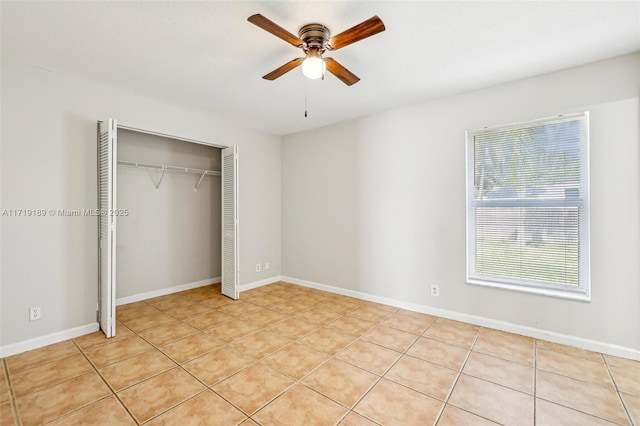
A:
(583, 291)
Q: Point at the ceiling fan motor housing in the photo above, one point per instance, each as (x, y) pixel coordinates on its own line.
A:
(314, 37)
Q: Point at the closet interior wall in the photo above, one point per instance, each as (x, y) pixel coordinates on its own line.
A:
(172, 234)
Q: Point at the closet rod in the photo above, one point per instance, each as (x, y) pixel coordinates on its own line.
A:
(170, 168)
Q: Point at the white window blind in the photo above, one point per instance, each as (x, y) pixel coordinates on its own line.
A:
(527, 206)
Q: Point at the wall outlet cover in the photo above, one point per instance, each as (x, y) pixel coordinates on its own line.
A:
(35, 313)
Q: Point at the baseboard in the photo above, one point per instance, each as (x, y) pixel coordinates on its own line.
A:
(49, 339)
(592, 345)
(164, 291)
(260, 283)
(175, 289)
(552, 336)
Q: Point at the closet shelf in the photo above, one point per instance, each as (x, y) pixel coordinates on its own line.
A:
(165, 168)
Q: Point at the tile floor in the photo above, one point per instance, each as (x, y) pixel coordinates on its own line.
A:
(289, 355)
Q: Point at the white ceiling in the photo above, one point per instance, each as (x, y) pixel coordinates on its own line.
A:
(206, 55)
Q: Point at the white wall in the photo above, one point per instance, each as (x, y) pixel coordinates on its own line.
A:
(171, 236)
(49, 161)
(377, 204)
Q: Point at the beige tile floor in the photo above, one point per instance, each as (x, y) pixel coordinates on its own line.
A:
(289, 355)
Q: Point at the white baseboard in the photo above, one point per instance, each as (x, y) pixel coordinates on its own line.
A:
(164, 291)
(38, 342)
(49, 339)
(552, 336)
(175, 289)
(260, 283)
(592, 345)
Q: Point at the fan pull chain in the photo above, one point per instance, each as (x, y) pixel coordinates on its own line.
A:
(305, 98)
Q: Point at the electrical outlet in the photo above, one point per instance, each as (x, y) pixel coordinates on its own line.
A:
(435, 290)
(266, 266)
(258, 267)
(35, 313)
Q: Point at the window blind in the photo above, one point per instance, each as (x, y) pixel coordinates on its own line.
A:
(527, 204)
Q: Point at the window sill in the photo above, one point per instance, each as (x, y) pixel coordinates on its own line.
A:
(559, 294)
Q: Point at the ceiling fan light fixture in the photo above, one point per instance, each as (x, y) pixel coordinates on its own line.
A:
(313, 66)
(314, 39)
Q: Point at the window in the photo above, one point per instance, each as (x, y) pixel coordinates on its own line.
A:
(528, 207)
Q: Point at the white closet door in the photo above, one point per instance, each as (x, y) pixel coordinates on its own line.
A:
(107, 163)
(230, 268)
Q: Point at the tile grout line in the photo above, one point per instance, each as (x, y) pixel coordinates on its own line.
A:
(179, 365)
(124, 358)
(153, 346)
(234, 374)
(535, 378)
(12, 398)
(260, 361)
(471, 351)
(381, 376)
(357, 337)
(617, 389)
(455, 382)
(250, 416)
(298, 382)
(155, 416)
(598, 416)
(557, 373)
(257, 361)
(405, 354)
(199, 330)
(68, 379)
(349, 410)
(333, 357)
(95, 369)
(572, 378)
(583, 358)
(113, 392)
(562, 374)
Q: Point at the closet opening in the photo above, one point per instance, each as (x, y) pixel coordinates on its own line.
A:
(168, 217)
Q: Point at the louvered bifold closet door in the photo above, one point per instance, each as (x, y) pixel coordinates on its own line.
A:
(107, 163)
(230, 270)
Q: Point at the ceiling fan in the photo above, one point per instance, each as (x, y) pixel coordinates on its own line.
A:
(314, 40)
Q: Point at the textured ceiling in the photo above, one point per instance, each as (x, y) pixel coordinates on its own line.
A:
(206, 55)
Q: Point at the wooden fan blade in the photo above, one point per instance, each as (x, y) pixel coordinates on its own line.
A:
(361, 31)
(274, 29)
(346, 76)
(278, 72)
